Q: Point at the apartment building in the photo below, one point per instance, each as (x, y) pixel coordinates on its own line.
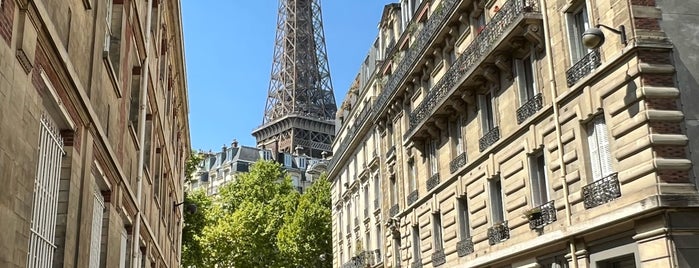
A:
(220, 168)
(94, 133)
(512, 133)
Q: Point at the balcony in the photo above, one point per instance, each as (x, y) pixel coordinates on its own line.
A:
(489, 139)
(433, 182)
(542, 215)
(493, 42)
(601, 191)
(391, 154)
(457, 162)
(529, 108)
(583, 67)
(394, 211)
(438, 257)
(498, 233)
(412, 197)
(464, 247)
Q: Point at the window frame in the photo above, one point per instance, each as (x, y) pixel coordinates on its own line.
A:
(438, 230)
(487, 111)
(537, 183)
(599, 147)
(417, 252)
(463, 215)
(576, 18)
(526, 71)
(497, 209)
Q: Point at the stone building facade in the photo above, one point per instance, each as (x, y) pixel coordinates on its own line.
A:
(486, 133)
(94, 133)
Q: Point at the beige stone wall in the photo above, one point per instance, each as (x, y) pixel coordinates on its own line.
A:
(52, 63)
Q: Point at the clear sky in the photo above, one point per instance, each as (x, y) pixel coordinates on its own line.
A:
(229, 46)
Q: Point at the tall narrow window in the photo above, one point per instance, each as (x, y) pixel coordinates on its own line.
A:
(379, 243)
(394, 191)
(598, 143)
(96, 231)
(45, 197)
(112, 46)
(525, 78)
(487, 112)
(134, 101)
(396, 252)
(578, 22)
(416, 244)
(458, 137)
(434, 164)
(496, 205)
(464, 225)
(377, 192)
(438, 231)
(539, 182)
(123, 249)
(411, 175)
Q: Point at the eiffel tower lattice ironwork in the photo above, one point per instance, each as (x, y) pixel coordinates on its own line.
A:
(300, 109)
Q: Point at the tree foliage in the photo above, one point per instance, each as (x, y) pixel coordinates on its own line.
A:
(193, 251)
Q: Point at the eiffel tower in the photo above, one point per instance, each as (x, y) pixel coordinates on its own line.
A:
(300, 111)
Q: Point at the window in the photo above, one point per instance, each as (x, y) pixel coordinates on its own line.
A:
(432, 150)
(96, 231)
(396, 252)
(287, 160)
(458, 138)
(123, 249)
(464, 225)
(598, 144)
(378, 236)
(416, 243)
(366, 201)
(411, 175)
(578, 22)
(496, 205)
(479, 21)
(627, 261)
(377, 192)
(394, 191)
(266, 154)
(525, 78)
(112, 43)
(134, 101)
(487, 112)
(539, 182)
(438, 232)
(45, 198)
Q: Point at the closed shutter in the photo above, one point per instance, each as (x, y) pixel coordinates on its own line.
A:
(96, 234)
(123, 249)
(594, 152)
(605, 156)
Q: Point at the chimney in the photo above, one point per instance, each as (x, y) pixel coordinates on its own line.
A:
(235, 143)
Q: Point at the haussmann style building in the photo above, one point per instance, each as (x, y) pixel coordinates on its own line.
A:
(93, 133)
(522, 133)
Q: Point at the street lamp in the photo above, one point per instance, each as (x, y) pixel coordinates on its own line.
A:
(594, 37)
(190, 208)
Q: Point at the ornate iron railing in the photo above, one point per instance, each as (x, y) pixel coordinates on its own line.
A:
(438, 257)
(601, 191)
(529, 108)
(433, 181)
(583, 67)
(412, 55)
(394, 210)
(542, 215)
(412, 197)
(489, 139)
(457, 162)
(377, 256)
(391, 152)
(498, 233)
(359, 261)
(475, 53)
(464, 247)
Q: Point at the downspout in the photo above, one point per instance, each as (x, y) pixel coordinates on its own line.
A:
(557, 123)
(145, 66)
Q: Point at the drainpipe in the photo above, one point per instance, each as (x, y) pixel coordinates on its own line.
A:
(559, 142)
(135, 253)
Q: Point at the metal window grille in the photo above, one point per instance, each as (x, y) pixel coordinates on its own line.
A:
(96, 234)
(45, 198)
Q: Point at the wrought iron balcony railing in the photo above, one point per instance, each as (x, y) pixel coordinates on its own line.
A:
(394, 210)
(529, 108)
(433, 181)
(464, 247)
(489, 139)
(438, 257)
(583, 67)
(457, 162)
(542, 215)
(391, 152)
(473, 55)
(377, 256)
(412, 55)
(498, 233)
(601, 191)
(412, 197)
(416, 264)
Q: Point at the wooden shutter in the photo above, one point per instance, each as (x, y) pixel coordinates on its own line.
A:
(96, 234)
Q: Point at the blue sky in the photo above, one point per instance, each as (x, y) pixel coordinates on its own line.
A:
(229, 46)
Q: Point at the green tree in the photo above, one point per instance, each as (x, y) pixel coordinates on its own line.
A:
(193, 252)
(192, 163)
(306, 238)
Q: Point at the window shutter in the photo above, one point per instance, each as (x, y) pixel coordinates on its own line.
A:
(605, 156)
(594, 152)
(123, 248)
(96, 234)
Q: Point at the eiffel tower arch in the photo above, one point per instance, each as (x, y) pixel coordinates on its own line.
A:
(300, 110)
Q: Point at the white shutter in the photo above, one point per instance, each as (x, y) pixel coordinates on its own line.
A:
(605, 156)
(122, 249)
(96, 234)
(594, 152)
(459, 137)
